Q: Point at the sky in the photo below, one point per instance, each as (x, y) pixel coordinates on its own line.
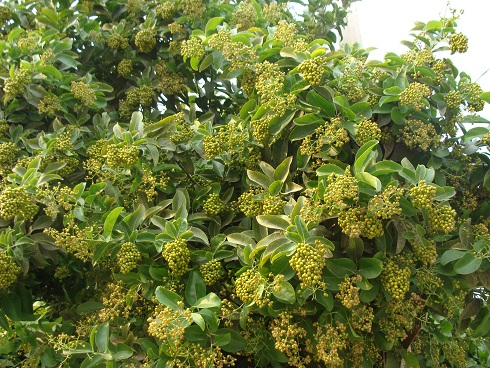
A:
(384, 23)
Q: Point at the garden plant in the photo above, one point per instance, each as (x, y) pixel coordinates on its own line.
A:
(189, 183)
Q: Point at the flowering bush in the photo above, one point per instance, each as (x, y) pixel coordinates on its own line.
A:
(209, 184)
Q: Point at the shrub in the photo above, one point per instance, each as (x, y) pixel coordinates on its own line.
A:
(208, 184)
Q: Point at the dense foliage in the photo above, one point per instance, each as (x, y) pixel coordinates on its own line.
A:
(209, 183)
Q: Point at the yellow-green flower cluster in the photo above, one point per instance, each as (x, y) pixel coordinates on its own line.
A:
(192, 48)
(417, 134)
(83, 92)
(72, 239)
(387, 203)
(351, 87)
(165, 11)
(8, 270)
(285, 33)
(5, 15)
(248, 205)
(472, 92)
(16, 84)
(458, 42)
(145, 40)
(169, 82)
(348, 292)
(423, 195)
(415, 95)
(126, 155)
(128, 257)
(367, 130)
(419, 57)
(425, 251)
(442, 218)
(328, 344)
(313, 69)
(211, 272)
(16, 201)
(247, 81)
(244, 15)
(453, 99)
(8, 156)
(220, 39)
(117, 42)
(354, 223)
(213, 205)
(49, 105)
(395, 279)
(272, 205)
(168, 324)
(125, 67)
(178, 256)
(194, 9)
(287, 334)
(247, 287)
(272, 12)
(308, 261)
(339, 189)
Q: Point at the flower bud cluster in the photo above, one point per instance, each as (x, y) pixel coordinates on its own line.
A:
(128, 257)
(247, 81)
(8, 271)
(211, 272)
(213, 205)
(417, 134)
(16, 201)
(349, 293)
(247, 287)
(472, 92)
(192, 48)
(340, 188)
(83, 92)
(328, 344)
(367, 130)
(308, 261)
(244, 15)
(285, 33)
(72, 239)
(247, 203)
(5, 15)
(453, 99)
(386, 204)
(117, 42)
(351, 87)
(419, 57)
(16, 85)
(125, 67)
(425, 251)
(272, 12)
(178, 256)
(442, 218)
(194, 9)
(165, 10)
(168, 324)
(8, 157)
(423, 195)
(272, 205)
(126, 155)
(49, 104)
(313, 70)
(169, 82)
(458, 42)
(395, 279)
(287, 335)
(145, 40)
(414, 95)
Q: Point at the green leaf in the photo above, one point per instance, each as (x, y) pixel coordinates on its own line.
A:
(486, 97)
(364, 156)
(212, 24)
(275, 187)
(195, 287)
(284, 292)
(237, 341)
(222, 339)
(168, 298)
(90, 306)
(314, 99)
(469, 263)
(122, 351)
(207, 61)
(370, 268)
(198, 320)
(280, 222)
(102, 337)
(259, 179)
(209, 301)
(309, 119)
(111, 219)
(327, 169)
(282, 171)
(433, 25)
(451, 255)
(369, 179)
(341, 267)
